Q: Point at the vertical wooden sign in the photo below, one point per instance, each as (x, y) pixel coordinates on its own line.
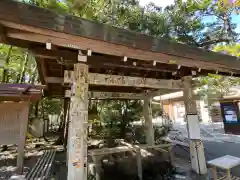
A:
(77, 162)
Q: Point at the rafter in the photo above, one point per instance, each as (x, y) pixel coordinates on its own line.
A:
(73, 42)
(3, 37)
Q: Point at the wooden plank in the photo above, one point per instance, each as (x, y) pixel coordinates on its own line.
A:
(77, 42)
(120, 149)
(42, 18)
(221, 178)
(109, 95)
(105, 151)
(116, 80)
(114, 95)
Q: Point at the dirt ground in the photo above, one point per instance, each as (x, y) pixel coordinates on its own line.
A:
(59, 168)
(33, 150)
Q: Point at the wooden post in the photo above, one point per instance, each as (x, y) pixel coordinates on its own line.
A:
(23, 115)
(77, 152)
(139, 163)
(147, 111)
(97, 163)
(66, 125)
(228, 175)
(214, 171)
(198, 161)
(171, 155)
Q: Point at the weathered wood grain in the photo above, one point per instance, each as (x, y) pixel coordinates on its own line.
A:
(24, 14)
(110, 95)
(77, 152)
(40, 35)
(116, 80)
(147, 113)
(197, 155)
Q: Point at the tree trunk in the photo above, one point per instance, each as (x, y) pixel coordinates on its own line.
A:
(5, 71)
(124, 120)
(60, 140)
(21, 77)
(33, 78)
(36, 109)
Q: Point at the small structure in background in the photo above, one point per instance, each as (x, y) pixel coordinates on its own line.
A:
(173, 104)
(14, 108)
(230, 114)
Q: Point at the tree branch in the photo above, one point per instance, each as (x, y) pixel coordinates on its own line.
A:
(214, 41)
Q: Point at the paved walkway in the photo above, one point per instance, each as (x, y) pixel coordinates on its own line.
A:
(209, 132)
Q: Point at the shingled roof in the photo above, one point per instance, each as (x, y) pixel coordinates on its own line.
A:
(20, 92)
(32, 27)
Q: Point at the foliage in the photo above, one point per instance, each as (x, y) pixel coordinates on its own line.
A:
(216, 85)
(116, 115)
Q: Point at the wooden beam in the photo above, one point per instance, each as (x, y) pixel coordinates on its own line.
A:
(26, 16)
(120, 149)
(66, 55)
(116, 80)
(78, 42)
(110, 95)
(145, 68)
(115, 95)
(53, 80)
(3, 38)
(159, 92)
(70, 57)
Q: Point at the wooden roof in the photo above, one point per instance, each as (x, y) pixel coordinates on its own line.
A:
(31, 27)
(20, 92)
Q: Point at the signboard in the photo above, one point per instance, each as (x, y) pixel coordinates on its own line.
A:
(230, 112)
(193, 126)
(10, 120)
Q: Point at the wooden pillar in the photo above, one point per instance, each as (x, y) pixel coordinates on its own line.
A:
(23, 117)
(147, 111)
(198, 161)
(139, 163)
(77, 142)
(97, 163)
(214, 171)
(66, 118)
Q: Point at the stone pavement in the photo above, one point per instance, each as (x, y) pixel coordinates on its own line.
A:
(209, 132)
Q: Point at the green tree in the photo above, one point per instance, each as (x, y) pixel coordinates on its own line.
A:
(215, 85)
